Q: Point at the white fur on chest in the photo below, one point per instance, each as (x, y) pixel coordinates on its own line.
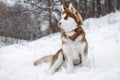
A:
(73, 49)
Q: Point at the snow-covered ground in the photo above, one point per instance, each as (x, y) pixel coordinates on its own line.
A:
(103, 35)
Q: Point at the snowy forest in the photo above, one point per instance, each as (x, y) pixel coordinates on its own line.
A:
(32, 19)
(29, 31)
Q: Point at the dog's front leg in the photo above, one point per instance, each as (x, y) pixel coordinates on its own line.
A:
(69, 63)
(56, 62)
(84, 54)
(84, 59)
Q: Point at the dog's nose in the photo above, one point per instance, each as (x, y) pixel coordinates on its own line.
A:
(59, 23)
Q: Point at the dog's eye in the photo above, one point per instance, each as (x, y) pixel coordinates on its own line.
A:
(66, 17)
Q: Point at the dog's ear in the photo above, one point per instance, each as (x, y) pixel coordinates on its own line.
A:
(63, 8)
(73, 8)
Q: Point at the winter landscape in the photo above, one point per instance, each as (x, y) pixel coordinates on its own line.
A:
(103, 35)
(23, 23)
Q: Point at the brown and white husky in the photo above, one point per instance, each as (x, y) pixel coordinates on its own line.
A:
(74, 44)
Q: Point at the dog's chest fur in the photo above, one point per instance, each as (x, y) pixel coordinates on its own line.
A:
(72, 44)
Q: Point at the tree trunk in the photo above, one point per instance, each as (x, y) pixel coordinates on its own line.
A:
(111, 6)
(93, 8)
(118, 4)
(98, 8)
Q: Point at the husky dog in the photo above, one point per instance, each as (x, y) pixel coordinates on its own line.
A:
(74, 44)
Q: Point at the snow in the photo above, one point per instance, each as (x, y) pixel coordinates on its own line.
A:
(103, 35)
(9, 2)
(44, 25)
(13, 2)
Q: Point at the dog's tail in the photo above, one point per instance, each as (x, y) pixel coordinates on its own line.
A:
(44, 59)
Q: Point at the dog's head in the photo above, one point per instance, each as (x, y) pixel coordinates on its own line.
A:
(70, 18)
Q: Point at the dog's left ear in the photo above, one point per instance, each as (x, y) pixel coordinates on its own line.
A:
(63, 8)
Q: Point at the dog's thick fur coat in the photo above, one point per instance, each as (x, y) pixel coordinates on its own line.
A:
(74, 44)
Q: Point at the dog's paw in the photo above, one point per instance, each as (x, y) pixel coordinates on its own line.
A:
(70, 70)
(50, 72)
